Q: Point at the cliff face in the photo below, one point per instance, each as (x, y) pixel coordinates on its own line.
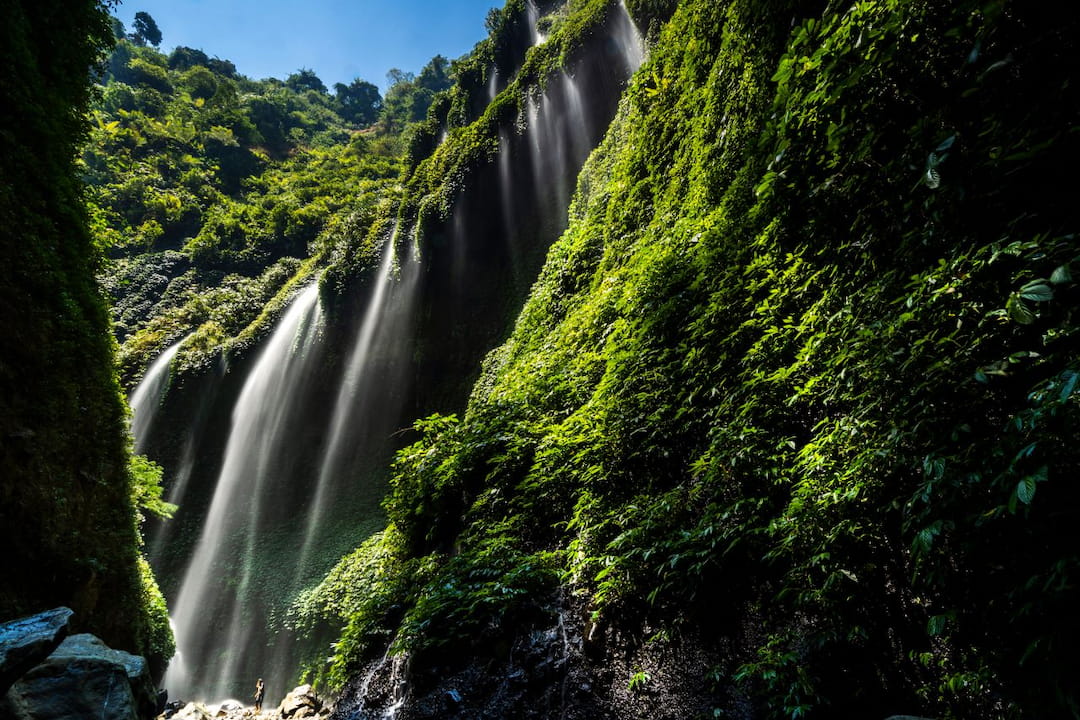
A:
(788, 410)
(67, 521)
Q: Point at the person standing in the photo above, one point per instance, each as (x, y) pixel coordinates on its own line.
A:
(260, 691)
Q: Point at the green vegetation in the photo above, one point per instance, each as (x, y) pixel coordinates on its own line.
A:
(69, 487)
(208, 190)
(800, 377)
(805, 360)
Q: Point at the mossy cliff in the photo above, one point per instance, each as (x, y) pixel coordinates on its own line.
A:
(796, 386)
(68, 489)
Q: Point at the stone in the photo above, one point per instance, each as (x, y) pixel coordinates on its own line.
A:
(227, 709)
(192, 711)
(83, 678)
(302, 702)
(26, 642)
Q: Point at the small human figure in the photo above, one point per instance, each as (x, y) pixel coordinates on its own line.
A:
(260, 690)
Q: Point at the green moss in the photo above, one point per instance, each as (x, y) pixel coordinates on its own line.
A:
(67, 515)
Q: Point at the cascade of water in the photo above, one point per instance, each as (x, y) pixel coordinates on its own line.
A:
(350, 395)
(492, 83)
(175, 495)
(399, 686)
(277, 417)
(147, 396)
(627, 38)
(532, 16)
(559, 135)
(217, 584)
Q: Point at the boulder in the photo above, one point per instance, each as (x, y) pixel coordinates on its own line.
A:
(84, 678)
(302, 702)
(27, 641)
(227, 709)
(192, 711)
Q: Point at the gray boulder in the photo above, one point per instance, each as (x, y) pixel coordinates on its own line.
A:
(83, 678)
(27, 641)
(302, 702)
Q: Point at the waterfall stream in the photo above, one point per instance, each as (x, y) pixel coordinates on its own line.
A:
(147, 396)
(296, 478)
(220, 575)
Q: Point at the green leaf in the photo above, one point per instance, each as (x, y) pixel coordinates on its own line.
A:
(946, 144)
(1025, 490)
(1061, 275)
(936, 624)
(1070, 385)
(1019, 311)
(1037, 291)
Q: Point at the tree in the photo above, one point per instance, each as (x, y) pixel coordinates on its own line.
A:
(434, 76)
(396, 76)
(185, 58)
(360, 101)
(304, 79)
(146, 30)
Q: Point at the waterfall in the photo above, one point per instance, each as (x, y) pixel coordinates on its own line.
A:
(629, 44)
(270, 501)
(147, 396)
(361, 407)
(218, 583)
(532, 15)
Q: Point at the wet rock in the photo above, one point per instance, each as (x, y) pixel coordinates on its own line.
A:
(172, 708)
(26, 642)
(300, 703)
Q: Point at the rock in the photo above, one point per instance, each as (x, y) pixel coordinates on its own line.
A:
(84, 678)
(300, 703)
(27, 641)
(192, 711)
(173, 708)
(226, 709)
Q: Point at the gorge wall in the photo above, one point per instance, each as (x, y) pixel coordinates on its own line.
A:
(68, 497)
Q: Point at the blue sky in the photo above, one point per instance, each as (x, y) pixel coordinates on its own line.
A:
(338, 39)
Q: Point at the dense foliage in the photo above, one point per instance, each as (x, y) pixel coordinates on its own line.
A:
(69, 486)
(800, 376)
(209, 190)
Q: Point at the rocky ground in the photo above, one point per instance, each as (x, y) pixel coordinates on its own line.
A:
(302, 702)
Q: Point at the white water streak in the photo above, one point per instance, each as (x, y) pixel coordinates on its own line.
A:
(258, 424)
(147, 396)
(347, 392)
